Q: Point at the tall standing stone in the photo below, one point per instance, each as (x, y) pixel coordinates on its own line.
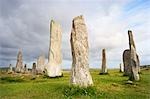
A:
(34, 69)
(80, 74)
(104, 67)
(133, 59)
(40, 64)
(53, 67)
(19, 64)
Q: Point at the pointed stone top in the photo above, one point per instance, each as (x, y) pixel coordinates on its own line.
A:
(52, 21)
(20, 50)
(131, 40)
(129, 31)
(78, 17)
(103, 49)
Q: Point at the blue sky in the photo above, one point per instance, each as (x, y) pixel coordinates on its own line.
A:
(25, 24)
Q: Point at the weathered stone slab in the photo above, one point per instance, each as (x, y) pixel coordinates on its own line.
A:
(34, 69)
(53, 68)
(133, 59)
(104, 67)
(40, 64)
(19, 64)
(80, 74)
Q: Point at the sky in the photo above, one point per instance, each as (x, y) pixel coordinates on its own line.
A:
(25, 24)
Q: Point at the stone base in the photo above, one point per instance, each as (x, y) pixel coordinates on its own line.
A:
(57, 76)
(103, 73)
(125, 75)
(53, 71)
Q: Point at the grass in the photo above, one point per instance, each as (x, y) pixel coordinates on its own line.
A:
(111, 86)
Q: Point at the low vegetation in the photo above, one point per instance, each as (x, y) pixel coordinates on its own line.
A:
(111, 86)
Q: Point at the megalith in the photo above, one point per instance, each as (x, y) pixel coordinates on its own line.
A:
(34, 69)
(19, 64)
(40, 64)
(80, 74)
(104, 67)
(10, 70)
(53, 68)
(134, 62)
(126, 62)
(25, 68)
(121, 67)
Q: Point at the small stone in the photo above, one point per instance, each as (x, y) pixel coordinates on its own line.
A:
(129, 82)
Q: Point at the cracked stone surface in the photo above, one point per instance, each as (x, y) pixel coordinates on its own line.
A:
(80, 74)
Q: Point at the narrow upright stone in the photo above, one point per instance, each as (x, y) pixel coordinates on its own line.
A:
(104, 67)
(133, 59)
(40, 64)
(34, 69)
(10, 70)
(80, 74)
(19, 64)
(53, 67)
(25, 68)
(121, 67)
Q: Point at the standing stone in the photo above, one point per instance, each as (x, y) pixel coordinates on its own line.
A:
(10, 70)
(138, 61)
(133, 59)
(104, 67)
(25, 68)
(34, 69)
(121, 68)
(40, 64)
(19, 64)
(80, 74)
(53, 67)
(126, 62)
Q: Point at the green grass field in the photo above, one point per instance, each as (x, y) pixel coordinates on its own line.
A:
(112, 86)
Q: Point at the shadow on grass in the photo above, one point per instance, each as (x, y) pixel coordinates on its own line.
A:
(47, 77)
(11, 80)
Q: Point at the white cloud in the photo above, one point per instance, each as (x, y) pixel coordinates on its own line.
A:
(26, 26)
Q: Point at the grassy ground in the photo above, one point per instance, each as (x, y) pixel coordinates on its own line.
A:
(110, 86)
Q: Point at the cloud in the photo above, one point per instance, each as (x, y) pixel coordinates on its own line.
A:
(25, 24)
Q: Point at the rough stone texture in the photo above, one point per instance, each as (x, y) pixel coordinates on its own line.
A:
(53, 68)
(133, 59)
(34, 69)
(19, 64)
(121, 67)
(138, 61)
(10, 70)
(104, 67)
(40, 64)
(80, 74)
(25, 68)
(126, 61)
